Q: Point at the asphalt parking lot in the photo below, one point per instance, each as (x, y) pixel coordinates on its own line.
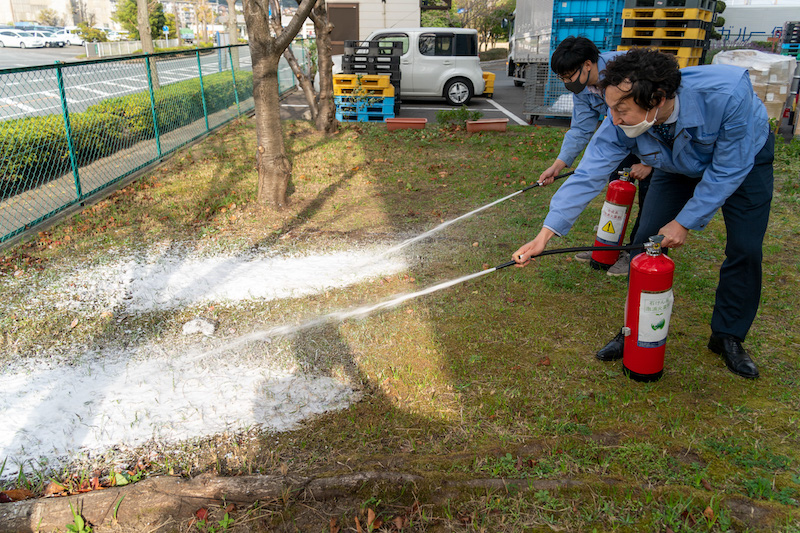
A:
(508, 102)
(30, 57)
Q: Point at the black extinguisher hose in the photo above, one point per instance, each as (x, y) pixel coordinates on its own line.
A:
(577, 249)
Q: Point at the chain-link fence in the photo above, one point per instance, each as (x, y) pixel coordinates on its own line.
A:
(69, 130)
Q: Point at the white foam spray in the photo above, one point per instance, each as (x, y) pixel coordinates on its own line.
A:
(440, 227)
(338, 316)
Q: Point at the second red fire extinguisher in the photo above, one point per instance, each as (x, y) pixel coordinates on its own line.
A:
(648, 308)
(614, 220)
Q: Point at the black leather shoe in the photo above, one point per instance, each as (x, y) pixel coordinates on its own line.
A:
(734, 355)
(613, 350)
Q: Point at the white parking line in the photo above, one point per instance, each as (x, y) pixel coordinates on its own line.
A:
(123, 85)
(82, 88)
(508, 113)
(11, 102)
(54, 95)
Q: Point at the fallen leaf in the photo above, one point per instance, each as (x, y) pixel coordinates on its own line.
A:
(486, 266)
(53, 488)
(544, 361)
(73, 323)
(358, 526)
(230, 508)
(370, 517)
(475, 244)
(94, 483)
(706, 484)
(334, 527)
(400, 522)
(15, 495)
(709, 513)
(201, 514)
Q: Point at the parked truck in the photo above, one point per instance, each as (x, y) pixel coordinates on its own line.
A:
(538, 26)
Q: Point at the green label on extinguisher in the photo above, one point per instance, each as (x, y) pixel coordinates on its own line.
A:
(655, 309)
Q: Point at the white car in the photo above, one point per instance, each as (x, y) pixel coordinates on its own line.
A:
(20, 39)
(50, 39)
(70, 35)
(436, 62)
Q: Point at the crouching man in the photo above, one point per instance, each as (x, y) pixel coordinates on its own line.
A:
(707, 135)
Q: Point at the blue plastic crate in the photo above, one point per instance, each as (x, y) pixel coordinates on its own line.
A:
(367, 104)
(600, 21)
(363, 116)
(605, 33)
(587, 8)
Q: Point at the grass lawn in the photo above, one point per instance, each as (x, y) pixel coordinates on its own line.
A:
(487, 390)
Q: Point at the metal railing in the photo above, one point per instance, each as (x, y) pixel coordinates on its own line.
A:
(119, 48)
(70, 130)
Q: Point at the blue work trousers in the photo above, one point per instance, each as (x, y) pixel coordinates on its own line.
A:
(746, 213)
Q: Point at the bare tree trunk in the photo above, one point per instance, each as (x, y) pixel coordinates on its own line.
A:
(305, 83)
(302, 77)
(143, 22)
(326, 112)
(274, 168)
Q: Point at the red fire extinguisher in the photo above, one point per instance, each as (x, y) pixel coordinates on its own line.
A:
(648, 308)
(614, 220)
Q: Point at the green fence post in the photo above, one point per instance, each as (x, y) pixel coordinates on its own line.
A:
(233, 75)
(152, 103)
(202, 90)
(68, 130)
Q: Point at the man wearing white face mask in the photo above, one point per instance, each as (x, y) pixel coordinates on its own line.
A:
(707, 135)
(579, 64)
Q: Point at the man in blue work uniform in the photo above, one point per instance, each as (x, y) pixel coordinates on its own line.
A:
(579, 64)
(707, 135)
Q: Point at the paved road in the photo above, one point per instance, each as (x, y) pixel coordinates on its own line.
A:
(36, 92)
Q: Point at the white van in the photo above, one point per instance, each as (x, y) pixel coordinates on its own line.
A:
(70, 34)
(436, 62)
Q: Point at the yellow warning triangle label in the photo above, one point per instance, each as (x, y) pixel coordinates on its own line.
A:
(609, 227)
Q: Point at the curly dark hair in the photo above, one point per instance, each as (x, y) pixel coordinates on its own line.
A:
(653, 75)
(571, 53)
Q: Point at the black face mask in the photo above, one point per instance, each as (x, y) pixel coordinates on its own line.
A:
(576, 86)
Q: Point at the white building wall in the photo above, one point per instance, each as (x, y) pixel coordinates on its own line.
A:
(27, 10)
(377, 14)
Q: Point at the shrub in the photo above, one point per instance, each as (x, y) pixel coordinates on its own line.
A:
(34, 150)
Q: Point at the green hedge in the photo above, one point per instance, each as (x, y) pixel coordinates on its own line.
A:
(34, 150)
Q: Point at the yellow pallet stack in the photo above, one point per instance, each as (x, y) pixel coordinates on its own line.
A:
(488, 80)
(363, 97)
(678, 27)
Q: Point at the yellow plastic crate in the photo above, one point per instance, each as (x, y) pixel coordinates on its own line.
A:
(385, 92)
(670, 14)
(488, 80)
(373, 81)
(664, 33)
(687, 57)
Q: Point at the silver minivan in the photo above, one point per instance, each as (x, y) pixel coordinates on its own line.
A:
(436, 62)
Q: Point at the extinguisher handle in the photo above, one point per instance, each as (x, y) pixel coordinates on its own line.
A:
(537, 184)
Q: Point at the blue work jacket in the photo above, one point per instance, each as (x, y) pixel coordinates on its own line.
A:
(588, 108)
(721, 127)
